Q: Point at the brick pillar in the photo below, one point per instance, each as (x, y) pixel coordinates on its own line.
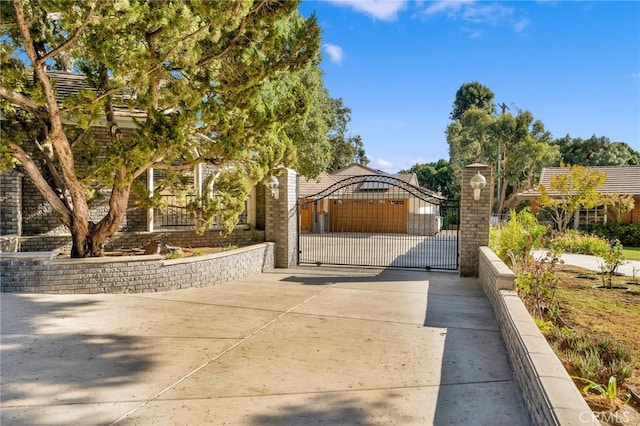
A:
(11, 203)
(474, 219)
(281, 219)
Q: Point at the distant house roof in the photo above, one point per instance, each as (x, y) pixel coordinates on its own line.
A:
(313, 186)
(356, 169)
(375, 181)
(621, 179)
(67, 83)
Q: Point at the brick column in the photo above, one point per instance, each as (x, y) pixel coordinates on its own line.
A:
(281, 219)
(11, 203)
(474, 219)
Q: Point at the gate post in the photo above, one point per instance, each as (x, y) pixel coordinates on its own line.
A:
(281, 219)
(474, 218)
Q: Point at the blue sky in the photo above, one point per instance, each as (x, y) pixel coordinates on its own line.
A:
(398, 64)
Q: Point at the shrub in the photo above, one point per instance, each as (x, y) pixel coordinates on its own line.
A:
(576, 242)
(612, 258)
(513, 241)
(536, 284)
(629, 235)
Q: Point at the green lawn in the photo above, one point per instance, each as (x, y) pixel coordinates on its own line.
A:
(631, 253)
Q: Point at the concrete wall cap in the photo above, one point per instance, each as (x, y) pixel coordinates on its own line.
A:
(29, 255)
(194, 259)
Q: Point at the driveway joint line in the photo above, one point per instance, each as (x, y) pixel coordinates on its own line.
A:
(221, 354)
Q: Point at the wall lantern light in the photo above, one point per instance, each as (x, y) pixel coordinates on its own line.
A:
(272, 185)
(477, 183)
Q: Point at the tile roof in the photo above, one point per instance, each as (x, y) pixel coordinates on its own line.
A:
(313, 186)
(621, 179)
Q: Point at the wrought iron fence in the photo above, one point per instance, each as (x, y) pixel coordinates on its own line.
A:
(176, 214)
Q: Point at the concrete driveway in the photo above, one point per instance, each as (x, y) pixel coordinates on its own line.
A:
(290, 347)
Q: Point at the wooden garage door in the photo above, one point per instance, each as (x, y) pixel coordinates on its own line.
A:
(373, 215)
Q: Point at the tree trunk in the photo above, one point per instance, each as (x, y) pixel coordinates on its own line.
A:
(91, 243)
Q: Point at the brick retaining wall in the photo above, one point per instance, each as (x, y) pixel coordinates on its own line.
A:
(41, 272)
(549, 394)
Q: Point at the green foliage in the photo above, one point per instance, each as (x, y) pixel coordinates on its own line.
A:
(438, 177)
(610, 390)
(513, 241)
(472, 95)
(595, 359)
(629, 235)
(234, 84)
(596, 151)
(618, 205)
(536, 284)
(572, 241)
(517, 147)
(450, 220)
(611, 259)
(345, 149)
(570, 191)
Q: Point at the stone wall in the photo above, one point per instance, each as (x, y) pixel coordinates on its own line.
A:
(550, 396)
(43, 273)
(186, 239)
(11, 203)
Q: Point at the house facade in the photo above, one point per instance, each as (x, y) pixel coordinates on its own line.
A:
(25, 212)
(622, 180)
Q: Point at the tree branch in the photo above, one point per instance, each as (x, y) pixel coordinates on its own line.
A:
(24, 102)
(68, 41)
(40, 182)
(39, 71)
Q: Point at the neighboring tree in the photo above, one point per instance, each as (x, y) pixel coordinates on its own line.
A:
(618, 205)
(437, 177)
(517, 148)
(345, 149)
(596, 151)
(199, 71)
(472, 96)
(470, 140)
(570, 191)
(309, 148)
(523, 149)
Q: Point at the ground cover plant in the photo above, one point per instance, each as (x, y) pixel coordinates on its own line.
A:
(598, 333)
(594, 331)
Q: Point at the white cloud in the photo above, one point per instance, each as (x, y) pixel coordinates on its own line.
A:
(386, 10)
(383, 164)
(448, 6)
(335, 52)
(478, 13)
(521, 25)
(636, 75)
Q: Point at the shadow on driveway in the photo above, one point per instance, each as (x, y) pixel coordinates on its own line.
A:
(44, 363)
(476, 382)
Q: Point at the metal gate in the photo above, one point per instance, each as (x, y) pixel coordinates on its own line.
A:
(378, 220)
